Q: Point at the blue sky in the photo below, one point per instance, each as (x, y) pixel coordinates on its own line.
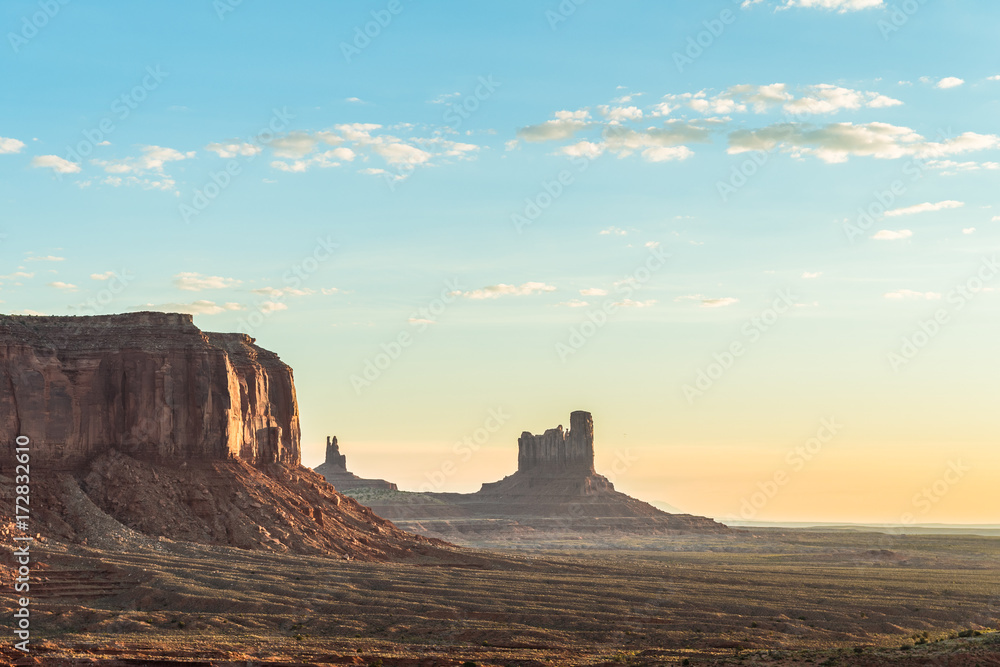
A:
(432, 158)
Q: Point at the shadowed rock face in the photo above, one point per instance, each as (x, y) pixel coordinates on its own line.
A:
(151, 385)
(558, 450)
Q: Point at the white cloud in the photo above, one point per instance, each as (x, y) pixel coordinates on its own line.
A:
(293, 145)
(16, 275)
(271, 306)
(995, 77)
(841, 6)
(969, 230)
(620, 114)
(706, 302)
(950, 82)
(400, 153)
(613, 231)
(234, 149)
(593, 291)
(325, 160)
(497, 291)
(910, 294)
(667, 153)
(65, 287)
(630, 303)
(420, 320)
(275, 292)
(354, 100)
(195, 282)
(574, 303)
(825, 98)
(926, 207)
(444, 98)
(718, 303)
(46, 258)
(152, 159)
(809, 276)
(55, 163)
(8, 145)
(107, 275)
(889, 235)
(837, 142)
(951, 167)
(331, 290)
(563, 126)
(651, 244)
(586, 149)
(200, 307)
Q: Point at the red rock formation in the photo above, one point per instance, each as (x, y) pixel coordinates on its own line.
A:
(142, 426)
(151, 385)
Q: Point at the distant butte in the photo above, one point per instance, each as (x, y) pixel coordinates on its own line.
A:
(556, 490)
(334, 469)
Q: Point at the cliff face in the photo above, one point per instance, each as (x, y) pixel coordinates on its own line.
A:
(150, 385)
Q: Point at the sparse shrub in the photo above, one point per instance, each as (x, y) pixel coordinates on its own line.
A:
(377, 662)
(469, 663)
(181, 624)
(753, 624)
(906, 647)
(858, 649)
(685, 661)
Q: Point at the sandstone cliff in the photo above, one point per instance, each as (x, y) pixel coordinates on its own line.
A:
(151, 385)
(142, 427)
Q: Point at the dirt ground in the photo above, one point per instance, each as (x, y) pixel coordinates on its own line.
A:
(768, 596)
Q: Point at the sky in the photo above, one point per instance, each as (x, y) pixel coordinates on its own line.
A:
(757, 240)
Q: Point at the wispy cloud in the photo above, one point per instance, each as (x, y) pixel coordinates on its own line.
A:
(196, 282)
(55, 163)
(926, 207)
(497, 291)
(890, 235)
(837, 142)
(949, 82)
(8, 145)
